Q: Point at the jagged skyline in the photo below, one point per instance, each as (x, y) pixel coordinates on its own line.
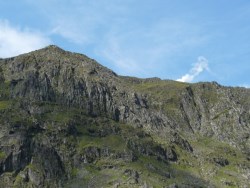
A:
(144, 38)
(67, 121)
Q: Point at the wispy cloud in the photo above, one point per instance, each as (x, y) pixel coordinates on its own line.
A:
(158, 40)
(80, 22)
(199, 67)
(113, 53)
(142, 50)
(14, 41)
(131, 44)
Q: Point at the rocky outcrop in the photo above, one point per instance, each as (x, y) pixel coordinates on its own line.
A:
(57, 115)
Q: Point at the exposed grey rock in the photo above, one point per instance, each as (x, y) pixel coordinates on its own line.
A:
(57, 111)
(221, 161)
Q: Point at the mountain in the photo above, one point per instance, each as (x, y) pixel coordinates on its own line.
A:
(67, 121)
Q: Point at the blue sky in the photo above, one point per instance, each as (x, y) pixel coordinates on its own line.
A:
(192, 41)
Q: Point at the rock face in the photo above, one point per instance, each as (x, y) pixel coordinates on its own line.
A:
(67, 121)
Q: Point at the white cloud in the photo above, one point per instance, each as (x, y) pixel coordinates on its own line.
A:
(15, 41)
(199, 67)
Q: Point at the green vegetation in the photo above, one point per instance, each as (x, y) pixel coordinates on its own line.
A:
(210, 149)
(2, 155)
(207, 92)
(4, 105)
(221, 113)
(161, 90)
(113, 142)
(59, 125)
(74, 172)
(163, 95)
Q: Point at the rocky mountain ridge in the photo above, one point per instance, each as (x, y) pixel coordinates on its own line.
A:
(67, 121)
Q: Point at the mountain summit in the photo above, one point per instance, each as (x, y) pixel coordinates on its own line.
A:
(67, 121)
